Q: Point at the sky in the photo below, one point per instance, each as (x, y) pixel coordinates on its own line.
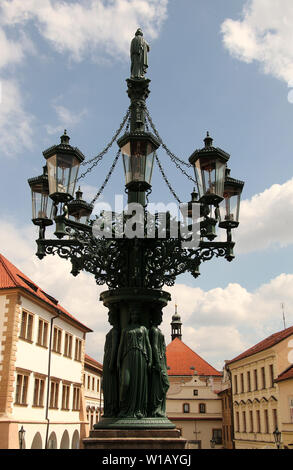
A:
(223, 66)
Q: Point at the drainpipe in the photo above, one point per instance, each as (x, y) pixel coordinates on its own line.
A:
(49, 378)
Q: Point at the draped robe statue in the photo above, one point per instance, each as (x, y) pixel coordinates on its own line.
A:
(139, 55)
(159, 382)
(110, 374)
(134, 361)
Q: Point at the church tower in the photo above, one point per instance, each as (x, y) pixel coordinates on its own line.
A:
(176, 325)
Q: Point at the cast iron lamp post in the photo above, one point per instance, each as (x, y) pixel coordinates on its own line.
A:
(21, 434)
(135, 268)
(277, 436)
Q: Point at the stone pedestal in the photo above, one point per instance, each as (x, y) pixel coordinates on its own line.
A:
(108, 439)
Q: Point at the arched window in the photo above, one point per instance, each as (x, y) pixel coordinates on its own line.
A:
(75, 440)
(37, 442)
(65, 440)
(186, 408)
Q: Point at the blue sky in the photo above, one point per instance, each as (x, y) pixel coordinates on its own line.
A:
(224, 66)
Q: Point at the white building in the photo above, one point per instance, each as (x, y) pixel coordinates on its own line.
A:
(94, 400)
(41, 388)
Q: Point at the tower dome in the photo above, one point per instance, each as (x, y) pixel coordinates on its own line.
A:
(176, 325)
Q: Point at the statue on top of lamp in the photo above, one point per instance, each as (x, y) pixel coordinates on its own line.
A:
(139, 55)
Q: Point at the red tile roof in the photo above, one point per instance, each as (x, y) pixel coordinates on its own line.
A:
(180, 359)
(12, 277)
(287, 374)
(264, 344)
(92, 361)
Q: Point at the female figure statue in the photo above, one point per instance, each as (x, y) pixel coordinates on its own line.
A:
(134, 361)
(110, 373)
(159, 377)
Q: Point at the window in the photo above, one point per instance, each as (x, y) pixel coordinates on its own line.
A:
(237, 422)
(54, 392)
(26, 328)
(242, 382)
(251, 420)
(98, 385)
(217, 436)
(43, 333)
(244, 420)
(272, 374)
(236, 384)
(195, 393)
(263, 376)
(65, 396)
(78, 344)
(275, 418)
(248, 382)
(258, 421)
(68, 345)
(39, 392)
(21, 389)
(186, 408)
(93, 383)
(57, 334)
(266, 416)
(255, 380)
(202, 408)
(76, 398)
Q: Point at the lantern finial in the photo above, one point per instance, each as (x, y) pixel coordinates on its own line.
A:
(208, 140)
(65, 138)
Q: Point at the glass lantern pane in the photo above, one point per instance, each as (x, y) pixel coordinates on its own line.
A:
(220, 178)
(62, 173)
(51, 165)
(138, 160)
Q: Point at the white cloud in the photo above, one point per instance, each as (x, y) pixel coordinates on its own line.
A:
(218, 324)
(266, 219)
(87, 27)
(16, 124)
(67, 119)
(264, 34)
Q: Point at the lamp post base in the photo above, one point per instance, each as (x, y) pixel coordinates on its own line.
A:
(161, 439)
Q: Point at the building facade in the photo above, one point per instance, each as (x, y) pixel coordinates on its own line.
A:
(192, 400)
(258, 407)
(41, 387)
(285, 384)
(93, 395)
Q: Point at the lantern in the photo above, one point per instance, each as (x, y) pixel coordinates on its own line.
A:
(138, 159)
(63, 163)
(209, 166)
(41, 206)
(79, 209)
(230, 207)
(277, 436)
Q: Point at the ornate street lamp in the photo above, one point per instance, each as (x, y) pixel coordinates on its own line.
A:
(41, 204)
(21, 435)
(63, 163)
(230, 207)
(277, 436)
(135, 268)
(79, 209)
(209, 167)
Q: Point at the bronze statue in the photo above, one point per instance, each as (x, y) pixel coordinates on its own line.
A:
(134, 362)
(110, 373)
(139, 55)
(159, 378)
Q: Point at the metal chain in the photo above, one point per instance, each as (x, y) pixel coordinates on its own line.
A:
(99, 157)
(107, 178)
(166, 179)
(171, 155)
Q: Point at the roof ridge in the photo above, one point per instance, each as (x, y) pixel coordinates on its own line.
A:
(4, 262)
(197, 354)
